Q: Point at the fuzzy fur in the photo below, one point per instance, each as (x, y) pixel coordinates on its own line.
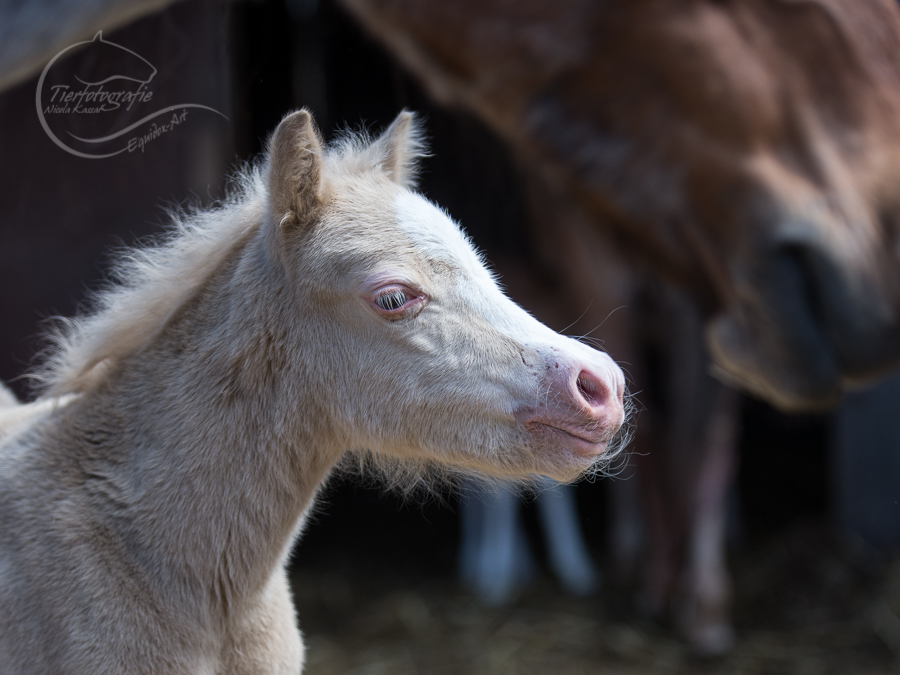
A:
(7, 398)
(149, 500)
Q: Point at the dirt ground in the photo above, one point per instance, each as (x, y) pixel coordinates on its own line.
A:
(807, 603)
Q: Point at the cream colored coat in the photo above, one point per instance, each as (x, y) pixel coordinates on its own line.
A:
(149, 501)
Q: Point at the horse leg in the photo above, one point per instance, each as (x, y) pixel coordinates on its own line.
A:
(494, 560)
(626, 527)
(685, 482)
(703, 613)
(665, 527)
(566, 548)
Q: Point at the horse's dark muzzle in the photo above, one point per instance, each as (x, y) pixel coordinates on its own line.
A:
(804, 326)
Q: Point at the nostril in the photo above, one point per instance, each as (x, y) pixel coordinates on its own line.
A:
(591, 389)
(797, 275)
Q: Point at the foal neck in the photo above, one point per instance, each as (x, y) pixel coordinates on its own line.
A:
(215, 456)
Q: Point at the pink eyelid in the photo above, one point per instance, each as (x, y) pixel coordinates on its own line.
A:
(374, 291)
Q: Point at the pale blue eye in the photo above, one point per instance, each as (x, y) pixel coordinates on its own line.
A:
(392, 300)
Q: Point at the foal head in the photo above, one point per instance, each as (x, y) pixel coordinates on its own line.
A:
(412, 350)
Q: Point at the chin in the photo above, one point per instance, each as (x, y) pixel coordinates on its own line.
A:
(568, 462)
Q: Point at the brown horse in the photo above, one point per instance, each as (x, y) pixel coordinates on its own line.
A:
(747, 149)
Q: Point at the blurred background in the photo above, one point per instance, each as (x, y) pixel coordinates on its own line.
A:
(780, 558)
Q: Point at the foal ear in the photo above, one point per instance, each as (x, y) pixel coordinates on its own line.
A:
(398, 150)
(295, 169)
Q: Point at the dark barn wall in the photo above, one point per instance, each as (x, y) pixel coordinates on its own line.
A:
(61, 214)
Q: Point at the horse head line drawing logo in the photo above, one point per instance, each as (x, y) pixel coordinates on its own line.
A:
(110, 66)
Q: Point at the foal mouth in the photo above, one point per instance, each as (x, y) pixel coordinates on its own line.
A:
(589, 443)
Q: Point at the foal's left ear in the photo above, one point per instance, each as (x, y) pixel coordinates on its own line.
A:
(398, 150)
(295, 169)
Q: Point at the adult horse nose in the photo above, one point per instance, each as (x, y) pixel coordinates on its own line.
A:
(850, 304)
(809, 317)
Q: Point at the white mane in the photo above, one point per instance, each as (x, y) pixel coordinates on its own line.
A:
(149, 284)
(147, 287)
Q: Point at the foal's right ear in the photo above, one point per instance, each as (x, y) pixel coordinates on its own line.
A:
(295, 170)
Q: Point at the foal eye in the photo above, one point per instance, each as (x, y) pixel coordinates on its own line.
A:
(392, 300)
